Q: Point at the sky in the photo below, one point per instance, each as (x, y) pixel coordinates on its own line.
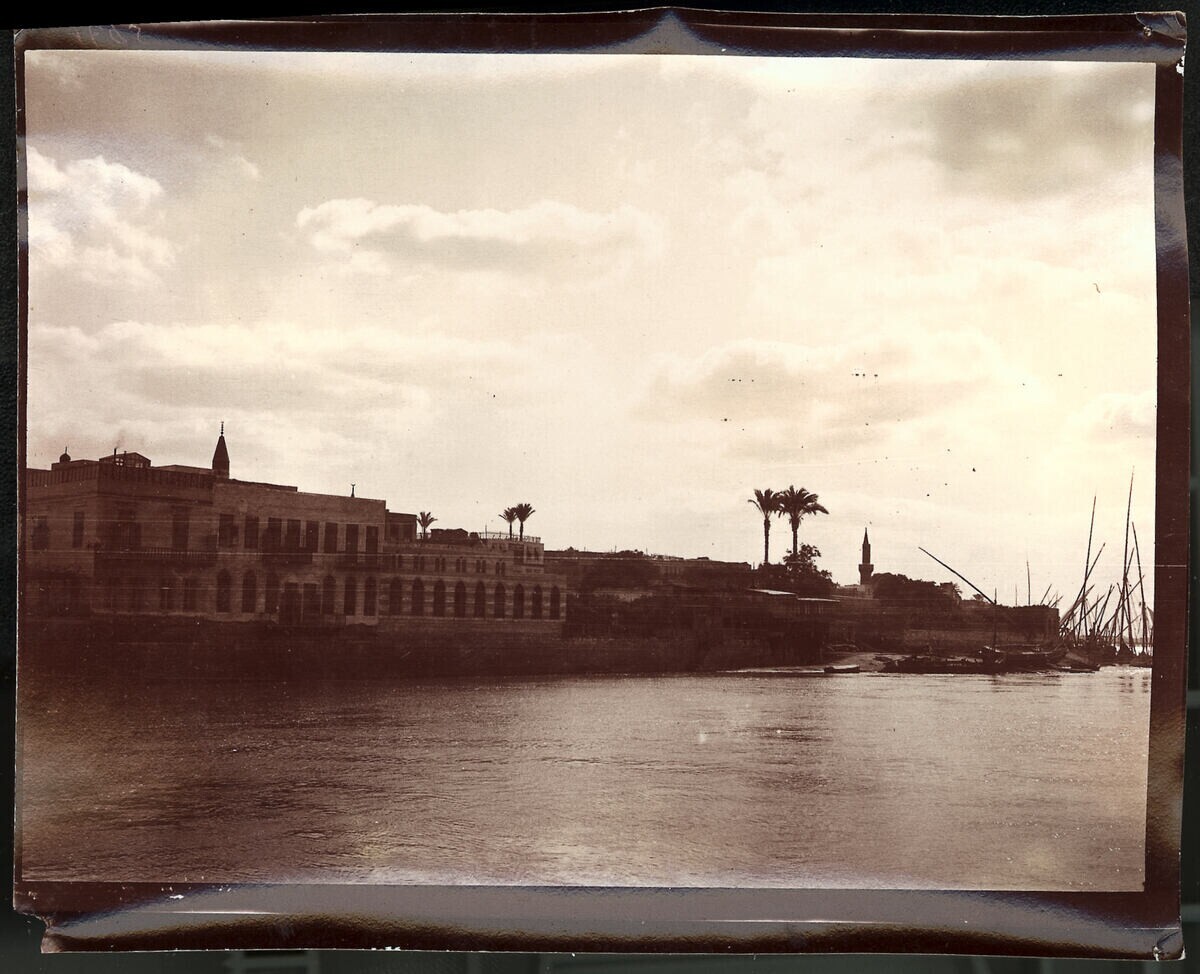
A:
(628, 290)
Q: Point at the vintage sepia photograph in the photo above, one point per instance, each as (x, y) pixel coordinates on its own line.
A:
(587, 470)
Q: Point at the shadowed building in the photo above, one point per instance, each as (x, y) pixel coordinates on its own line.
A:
(121, 537)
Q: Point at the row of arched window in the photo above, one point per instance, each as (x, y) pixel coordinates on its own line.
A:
(403, 597)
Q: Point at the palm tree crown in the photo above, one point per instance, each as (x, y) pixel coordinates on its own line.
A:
(523, 512)
(509, 515)
(796, 504)
(767, 503)
(425, 519)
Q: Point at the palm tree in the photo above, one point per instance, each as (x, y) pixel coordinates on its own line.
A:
(523, 512)
(425, 519)
(796, 504)
(767, 503)
(509, 515)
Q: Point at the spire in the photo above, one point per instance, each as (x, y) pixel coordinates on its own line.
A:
(866, 569)
(220, 460)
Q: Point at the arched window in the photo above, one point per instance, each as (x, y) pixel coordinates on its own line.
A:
(519, 602)
(555, 603)
(439, 598)
(537, 602)
(350, 601)
(480, 600)
(395, 596)
(418, 598)
(460, 600)
(191, 592)
(328, 595)
(272, 596)
(369, 595)
(249, 592)
(110, 593)
(498, 602)
(136, 592)
(166, 593)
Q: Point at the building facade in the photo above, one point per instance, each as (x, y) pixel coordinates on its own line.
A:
(121, 537)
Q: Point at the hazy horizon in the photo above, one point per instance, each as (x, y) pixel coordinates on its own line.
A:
(626, 289)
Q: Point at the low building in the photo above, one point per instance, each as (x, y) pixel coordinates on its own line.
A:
(119, 536)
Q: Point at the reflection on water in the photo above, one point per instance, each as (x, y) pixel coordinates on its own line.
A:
(988, 782)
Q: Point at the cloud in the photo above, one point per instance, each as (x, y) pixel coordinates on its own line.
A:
(1118, 418)
(233, 154)
(548, 235)
(97, 219)
(844, 386)
(1036, 133)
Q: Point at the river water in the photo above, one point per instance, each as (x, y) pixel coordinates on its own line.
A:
(890, 781)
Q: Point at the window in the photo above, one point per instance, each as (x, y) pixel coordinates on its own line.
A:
(350, 602)
(418, 598)
(40, 539)
(226, 531)
(312, 533)
(420, 559)
(536, 605)
(272, 596)
(352, 539)
(251, 532)
(519, 602)
(328, 595)
(480, 600)
(331, 533)
(274, 539)
(77, 530)
(166, 594)
(500, 568)
(460, 600)
(191, 591)
(498, 602)
(249, 592)
(395, 596)
(137, 587)
(439, 598)
(369, 595)
(372, 539)
(291, 540)
(555, 603)
(179, 531)
(223, 591)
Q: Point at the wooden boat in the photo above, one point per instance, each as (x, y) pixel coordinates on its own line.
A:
(836, 668)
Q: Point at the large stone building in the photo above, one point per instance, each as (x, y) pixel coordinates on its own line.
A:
(121, 537)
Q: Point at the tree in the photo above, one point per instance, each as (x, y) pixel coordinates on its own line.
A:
(766, 502)
(509, 515)
(523, 512)
(425, 519)
(796, 504)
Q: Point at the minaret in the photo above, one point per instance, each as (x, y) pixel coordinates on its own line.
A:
(220, 460)
(866, 568)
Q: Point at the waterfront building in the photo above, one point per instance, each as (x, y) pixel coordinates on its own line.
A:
(120, 537)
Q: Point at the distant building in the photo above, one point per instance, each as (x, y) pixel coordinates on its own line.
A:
(120, 537)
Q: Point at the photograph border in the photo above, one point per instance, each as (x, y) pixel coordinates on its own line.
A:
(123, 916)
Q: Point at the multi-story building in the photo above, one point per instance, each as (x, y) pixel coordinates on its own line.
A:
(119, 536)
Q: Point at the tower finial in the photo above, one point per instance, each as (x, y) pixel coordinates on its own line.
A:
(352, 490)
(222, 427)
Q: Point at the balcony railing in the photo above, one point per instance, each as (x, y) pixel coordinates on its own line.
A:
(287, 559)
(504, 536)
(369, 562)
(194, 558)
